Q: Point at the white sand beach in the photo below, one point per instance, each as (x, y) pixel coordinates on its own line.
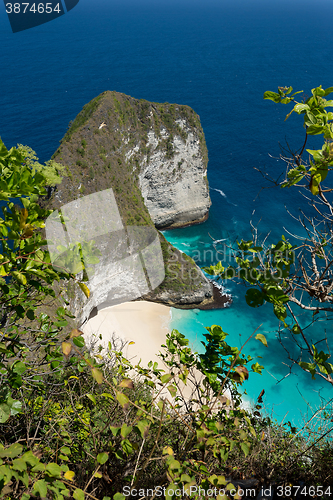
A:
(144, 323)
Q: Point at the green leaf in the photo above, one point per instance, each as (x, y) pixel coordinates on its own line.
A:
(30, 314)
(78, 494)
(40, 487)
(257, 368)
(103, 457)
(262, 338)
(65, 450)
(19, 277)
(315, 129)
(272, 96)
(117, 496)
(143, 426)
(98, 375)
(125, 430)
(245, 448)
(123, 400)
(12, 451)
(301, 108)
(19, 464)
(173, 390)
(4, 414)
(92, 398)
(166, 378)
(19, 367)
(170, 491)
(53, 469)
(254, 297)
(78, 341)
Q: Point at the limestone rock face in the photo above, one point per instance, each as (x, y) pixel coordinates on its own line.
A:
(175, 190)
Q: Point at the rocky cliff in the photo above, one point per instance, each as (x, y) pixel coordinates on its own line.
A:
(154, 157)
(160, 148)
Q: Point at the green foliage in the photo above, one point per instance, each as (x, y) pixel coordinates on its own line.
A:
(282, 274)
(52, 171)
(317, 121)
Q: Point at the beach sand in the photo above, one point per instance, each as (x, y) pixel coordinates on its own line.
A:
(144, 323)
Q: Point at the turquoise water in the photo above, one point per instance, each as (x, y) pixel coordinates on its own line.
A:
(289, 395)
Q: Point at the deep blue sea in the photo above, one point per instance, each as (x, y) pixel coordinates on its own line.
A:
(218, 57)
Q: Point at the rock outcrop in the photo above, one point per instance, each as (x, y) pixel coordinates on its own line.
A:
(154, 157)
(184, 199)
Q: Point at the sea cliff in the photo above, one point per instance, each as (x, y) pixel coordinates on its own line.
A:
(154, 157)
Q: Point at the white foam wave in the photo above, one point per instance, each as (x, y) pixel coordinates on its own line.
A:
(219, 241)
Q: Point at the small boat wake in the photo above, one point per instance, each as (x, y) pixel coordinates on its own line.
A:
(224, 196)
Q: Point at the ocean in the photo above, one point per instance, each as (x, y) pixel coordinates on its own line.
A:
(218, 57)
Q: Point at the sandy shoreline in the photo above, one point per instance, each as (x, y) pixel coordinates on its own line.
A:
(144, 323)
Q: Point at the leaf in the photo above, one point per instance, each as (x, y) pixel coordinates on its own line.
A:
(102, 458)
(254, 297)
(127, 382)
(19, 464)
(69, 475)
(300, 108)
(272, 96)
(98, 375)
(92, 398)
(4, 414)
(19, 367)
(40, 487)
(166, 378)
(243, 372)
(125, 430)
(78, 494)
(296, 330)
(262, 338)
(172, 389)
(257, 368)
(28, 231)
(167, 450)
(245, 448)
(53, 470)
(19, 277)
(13, 451)
(117, 496)
(315, 129)
(66, 348)
(65, 450)
(85, 290)
(30, 314)
(143, 426)
(75, 333)
(78, 341)
(123, 400)
(23, 217)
